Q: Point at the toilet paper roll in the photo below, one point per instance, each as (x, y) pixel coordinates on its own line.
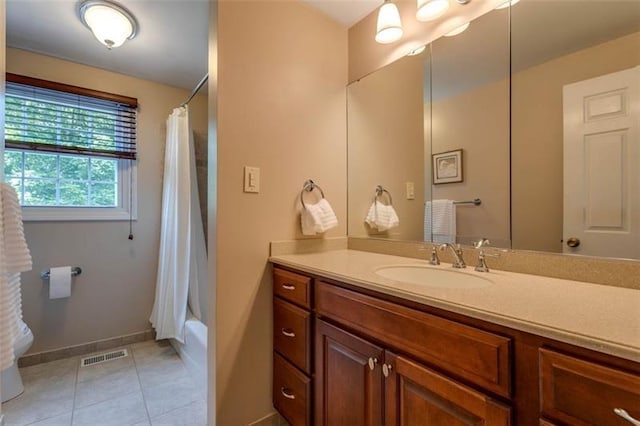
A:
(59, 282)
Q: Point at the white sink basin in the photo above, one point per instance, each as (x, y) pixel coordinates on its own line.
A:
(433, 276)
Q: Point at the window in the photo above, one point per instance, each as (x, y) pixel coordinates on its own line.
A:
(70, 152)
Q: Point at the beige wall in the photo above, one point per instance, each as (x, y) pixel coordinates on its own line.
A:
(281, 107)
(537, 141)
(366, 56)
(115, 292)
(386, 146)
(478, 123)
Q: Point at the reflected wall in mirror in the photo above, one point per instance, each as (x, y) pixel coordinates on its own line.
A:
(576, 156)
(469, 82)
(455, 96)
(387, 147)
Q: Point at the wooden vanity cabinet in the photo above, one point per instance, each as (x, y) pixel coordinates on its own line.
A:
(362, 383)
(363, 358)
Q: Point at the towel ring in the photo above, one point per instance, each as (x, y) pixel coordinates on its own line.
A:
(380, 191)
(309, 186)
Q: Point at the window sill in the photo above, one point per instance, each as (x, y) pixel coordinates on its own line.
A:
(75, 214)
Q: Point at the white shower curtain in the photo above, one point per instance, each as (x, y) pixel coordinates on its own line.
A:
(182, 259)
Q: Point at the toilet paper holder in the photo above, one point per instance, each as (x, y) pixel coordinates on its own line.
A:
(75, 271)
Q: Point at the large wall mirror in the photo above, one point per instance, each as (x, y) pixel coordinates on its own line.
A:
(484, 115)
(575, 136)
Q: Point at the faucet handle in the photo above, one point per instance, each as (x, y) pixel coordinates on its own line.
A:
(482, 242)
(435, 260)
(482, 263)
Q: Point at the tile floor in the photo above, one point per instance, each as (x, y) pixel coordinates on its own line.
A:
(150, 387)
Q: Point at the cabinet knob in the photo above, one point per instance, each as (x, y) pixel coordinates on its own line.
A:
(372, 363)
(386, 370)
(288, 286)
(288, 332)
(623, 413)
(287, 393)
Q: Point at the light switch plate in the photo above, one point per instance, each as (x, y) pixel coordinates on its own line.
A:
(411, 191)
(251, 179)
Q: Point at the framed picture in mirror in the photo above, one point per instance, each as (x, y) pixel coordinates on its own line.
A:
(447, 167)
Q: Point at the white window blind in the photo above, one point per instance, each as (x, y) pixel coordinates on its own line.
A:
(51, 117)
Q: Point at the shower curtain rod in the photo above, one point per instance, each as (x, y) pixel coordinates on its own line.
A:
(195, 91)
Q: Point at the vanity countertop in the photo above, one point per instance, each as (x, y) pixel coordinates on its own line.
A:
(598, 317)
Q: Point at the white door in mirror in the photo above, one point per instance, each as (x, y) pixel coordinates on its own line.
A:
(602, 165)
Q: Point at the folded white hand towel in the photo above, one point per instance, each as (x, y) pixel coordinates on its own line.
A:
(382, 217)
(440, 221)
(318, 218)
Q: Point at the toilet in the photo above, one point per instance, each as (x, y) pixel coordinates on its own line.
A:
(10, 377)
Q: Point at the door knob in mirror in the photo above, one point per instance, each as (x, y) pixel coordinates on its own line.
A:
(573, 242)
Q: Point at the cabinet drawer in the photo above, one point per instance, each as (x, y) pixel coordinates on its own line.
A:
(291, 392)
(293, 287)
(475, 355)
(580, 392)
(292, 333)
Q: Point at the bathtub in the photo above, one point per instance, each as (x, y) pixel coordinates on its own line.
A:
(194, 351)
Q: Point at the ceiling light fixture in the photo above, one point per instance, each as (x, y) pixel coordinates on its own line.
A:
(507, 4)
(389, 28)
(428, 10)
(457, 30)
(110, 23)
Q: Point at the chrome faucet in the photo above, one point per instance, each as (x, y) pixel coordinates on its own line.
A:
(482, 262)
(457, 255)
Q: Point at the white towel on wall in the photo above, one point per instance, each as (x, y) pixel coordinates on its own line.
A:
(440, 221)
(382, 217)
(14, 259)
(317, 218)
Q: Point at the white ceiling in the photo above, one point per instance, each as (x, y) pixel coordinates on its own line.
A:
(347, 12)
(171, 46)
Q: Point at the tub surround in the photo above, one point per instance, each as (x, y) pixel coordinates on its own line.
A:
(591, 316)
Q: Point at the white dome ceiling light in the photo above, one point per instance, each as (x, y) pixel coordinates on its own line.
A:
(110, 23)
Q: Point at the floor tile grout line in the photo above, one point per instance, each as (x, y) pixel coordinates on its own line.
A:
(75, 391)
(180, 408)
(144, 399)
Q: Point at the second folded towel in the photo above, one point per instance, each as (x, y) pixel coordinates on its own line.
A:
(318, 218)
(382, 217)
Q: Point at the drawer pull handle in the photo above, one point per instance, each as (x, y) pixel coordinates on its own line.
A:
(386, 370)
(287, 393)
(623, 413)
(288, 286)
(372, 363)
(287, 332)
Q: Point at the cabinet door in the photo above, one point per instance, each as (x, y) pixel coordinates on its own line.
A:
(416, 395)
(348, 390)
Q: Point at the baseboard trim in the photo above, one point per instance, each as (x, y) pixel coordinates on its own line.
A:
(85, 348)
